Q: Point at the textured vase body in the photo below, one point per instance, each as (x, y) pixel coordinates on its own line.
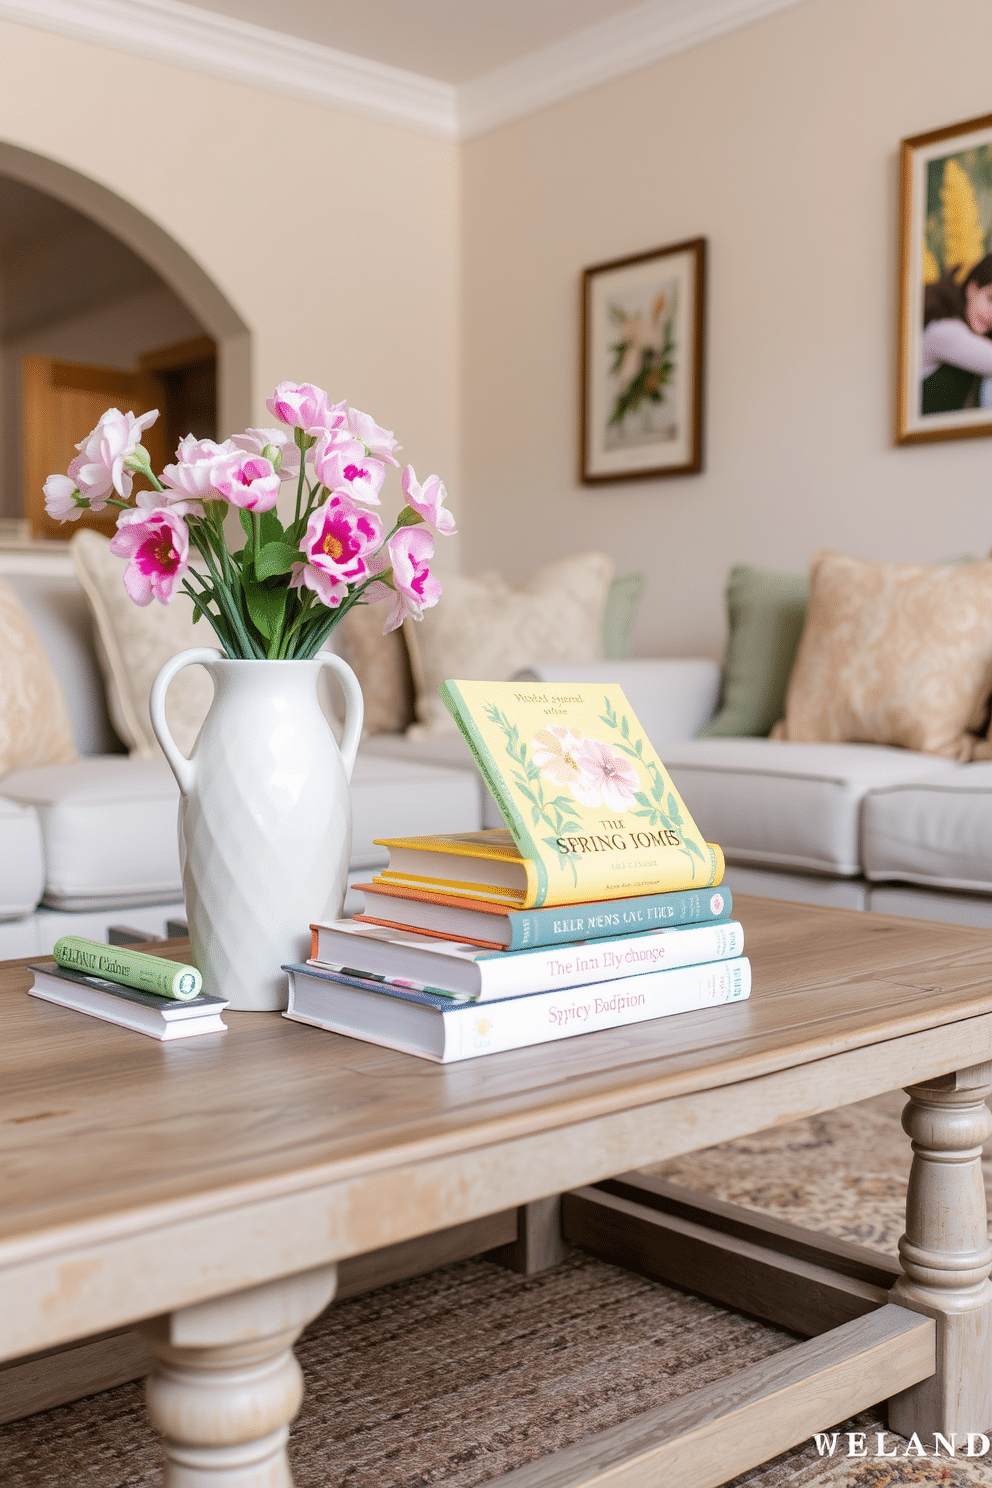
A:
(264, 818)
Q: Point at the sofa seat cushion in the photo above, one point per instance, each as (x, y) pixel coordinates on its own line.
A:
(789, 805)
(22, 859)
(443, 751)
(402, 797)
(109, 830)
(934, 830)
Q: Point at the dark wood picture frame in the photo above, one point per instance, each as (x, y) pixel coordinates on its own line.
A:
(923, 252)
(662, 361)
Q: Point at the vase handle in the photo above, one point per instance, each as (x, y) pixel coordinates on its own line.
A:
(182, 768)
(354, 707)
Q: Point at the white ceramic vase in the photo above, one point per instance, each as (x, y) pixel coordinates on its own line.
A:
(264, 817)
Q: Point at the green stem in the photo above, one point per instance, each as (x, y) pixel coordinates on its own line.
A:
(299, 484)
(226, 603)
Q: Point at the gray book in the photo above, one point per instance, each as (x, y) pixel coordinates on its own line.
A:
(143, 1012)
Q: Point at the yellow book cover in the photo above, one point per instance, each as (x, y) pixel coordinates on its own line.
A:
(591, 807)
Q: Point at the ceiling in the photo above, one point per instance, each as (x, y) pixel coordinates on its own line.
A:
(450, 40)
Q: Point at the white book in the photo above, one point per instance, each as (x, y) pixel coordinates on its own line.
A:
(143, 1012)
(438, 1028)
(467, 970)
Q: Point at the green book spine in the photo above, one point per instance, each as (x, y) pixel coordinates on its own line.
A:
(570, 922)
(129, 968)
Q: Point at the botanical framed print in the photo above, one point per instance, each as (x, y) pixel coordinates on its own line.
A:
(945, 299)
(642, 365)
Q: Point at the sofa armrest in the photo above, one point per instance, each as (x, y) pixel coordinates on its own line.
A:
(672, 697)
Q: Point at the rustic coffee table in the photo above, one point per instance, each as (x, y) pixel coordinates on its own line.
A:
(208, 1191)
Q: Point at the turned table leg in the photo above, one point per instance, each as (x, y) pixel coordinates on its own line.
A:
(226, 1384)
(946, 1256)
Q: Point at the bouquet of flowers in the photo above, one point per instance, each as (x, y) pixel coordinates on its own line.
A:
(280, 595)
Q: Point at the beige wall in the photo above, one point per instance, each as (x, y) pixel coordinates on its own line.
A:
(334, 238)
(779, 144)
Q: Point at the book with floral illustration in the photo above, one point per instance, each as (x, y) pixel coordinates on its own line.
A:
(592, 810)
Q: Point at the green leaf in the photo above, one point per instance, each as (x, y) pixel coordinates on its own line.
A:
(693, 848)
(270, 528)
(245, 519)
(275, 558)
(266, 607)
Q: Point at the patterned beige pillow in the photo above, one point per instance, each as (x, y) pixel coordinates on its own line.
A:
(484, 629)
(893, 653)
(133, 642)
(381, 664)
(35, 727)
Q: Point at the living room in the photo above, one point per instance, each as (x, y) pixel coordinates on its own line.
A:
(417, 247)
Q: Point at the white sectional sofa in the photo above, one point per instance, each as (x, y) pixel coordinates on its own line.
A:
(93, 844)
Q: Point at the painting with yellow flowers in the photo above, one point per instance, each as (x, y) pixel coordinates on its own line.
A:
(945, 311)
(642, 365)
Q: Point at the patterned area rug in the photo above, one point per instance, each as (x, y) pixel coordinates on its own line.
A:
(460, 1376)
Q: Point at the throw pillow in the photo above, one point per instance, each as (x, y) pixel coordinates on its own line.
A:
(622, 600)
(485, 629)
(893, 653)
(765, 614)
(381, 664)
(35, 727)
(133, 642)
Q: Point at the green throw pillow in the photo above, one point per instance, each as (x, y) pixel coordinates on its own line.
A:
(765, 615)
(618, 616)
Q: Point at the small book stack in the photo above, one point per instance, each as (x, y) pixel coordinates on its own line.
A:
(597, 906)
(147, 994)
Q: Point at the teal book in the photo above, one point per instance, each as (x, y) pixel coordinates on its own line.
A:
(453, 917)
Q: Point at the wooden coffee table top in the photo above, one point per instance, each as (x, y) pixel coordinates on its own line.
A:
(108, 1135)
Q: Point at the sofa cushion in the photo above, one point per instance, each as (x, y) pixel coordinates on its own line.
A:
(893, 653)
(402, 797)
(448, 752)
(789, 805)
(765, 614)
(109, 829)
(932, 830)
(35, 727)
(22, 860)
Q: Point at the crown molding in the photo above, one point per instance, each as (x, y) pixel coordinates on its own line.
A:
(627, 42)
(203, 41)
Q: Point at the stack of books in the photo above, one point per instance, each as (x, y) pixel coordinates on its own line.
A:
(597, 906)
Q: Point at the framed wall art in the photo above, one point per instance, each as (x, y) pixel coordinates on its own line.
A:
(945, 299)
(642, 365)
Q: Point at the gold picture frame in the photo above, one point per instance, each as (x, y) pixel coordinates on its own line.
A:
(643, 333)
(945, 284)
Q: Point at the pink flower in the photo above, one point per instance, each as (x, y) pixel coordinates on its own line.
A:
(156, 544)
(556, 755)
(248, 481)
(104, 453)
(428, 500)
(257, 441)
(63, 500)
(339, 536)
(416, 587)
(192, 475)
(377, 442)
(608, 773)
(303, 406)
(345, 469)
(329, 591)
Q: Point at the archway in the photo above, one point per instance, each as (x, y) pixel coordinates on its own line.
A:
(171, 261)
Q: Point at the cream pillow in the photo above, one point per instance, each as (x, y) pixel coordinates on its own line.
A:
(133, 642)
(485, 629)
(35, 727)
(893, 653)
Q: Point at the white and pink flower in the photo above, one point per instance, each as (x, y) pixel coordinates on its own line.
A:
(156, 545)
(104, 455)
(346, 470)
(339, 538)
(271, 443)
(63, 499)
(193, 473)
(248, 481)
(557, 756)
(303, 406)
(428, 500)
(613, 778)
(417, 590)
(378, 442)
